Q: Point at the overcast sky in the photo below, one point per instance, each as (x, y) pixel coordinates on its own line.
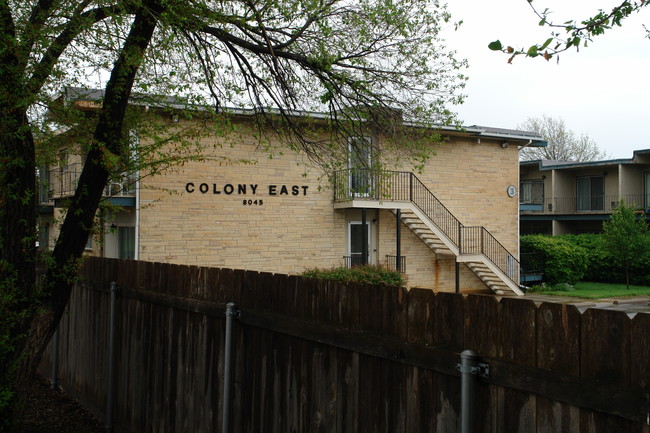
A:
(603, 90)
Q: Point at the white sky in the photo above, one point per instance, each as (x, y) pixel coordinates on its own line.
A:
(603, 90)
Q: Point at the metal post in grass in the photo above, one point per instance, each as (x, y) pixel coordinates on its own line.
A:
(231, 314)
(111, 361)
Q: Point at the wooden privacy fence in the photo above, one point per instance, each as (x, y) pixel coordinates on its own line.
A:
(314, 356)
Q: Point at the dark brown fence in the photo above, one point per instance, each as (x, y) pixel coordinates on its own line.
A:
(313, 356)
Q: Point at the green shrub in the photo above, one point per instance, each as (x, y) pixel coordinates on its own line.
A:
(601, 266)
(368, 274)
(564, 262)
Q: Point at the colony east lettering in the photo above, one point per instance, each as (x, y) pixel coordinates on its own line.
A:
(245, 189)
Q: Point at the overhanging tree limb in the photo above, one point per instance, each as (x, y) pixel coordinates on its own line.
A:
(572, 33)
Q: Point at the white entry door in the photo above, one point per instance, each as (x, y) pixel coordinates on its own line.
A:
(355, 242)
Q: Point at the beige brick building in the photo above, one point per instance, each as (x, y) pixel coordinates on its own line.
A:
(241, 208)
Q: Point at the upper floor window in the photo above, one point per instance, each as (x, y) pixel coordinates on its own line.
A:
(360, 164)
(590, 193)
(531, 191)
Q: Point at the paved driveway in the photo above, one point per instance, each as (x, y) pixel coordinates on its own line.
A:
(631, 306)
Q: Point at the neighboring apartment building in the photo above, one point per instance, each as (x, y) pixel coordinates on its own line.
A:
(559, 197)
(453, 226)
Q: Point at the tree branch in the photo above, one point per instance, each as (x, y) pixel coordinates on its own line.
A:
(75, 26)
(576, 34)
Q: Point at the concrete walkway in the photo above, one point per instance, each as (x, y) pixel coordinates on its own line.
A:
(631, 306)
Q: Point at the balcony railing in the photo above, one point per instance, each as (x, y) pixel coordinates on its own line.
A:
(355, 260)
(386, 186)
(605, 203)
(63, 183)
(391, 263)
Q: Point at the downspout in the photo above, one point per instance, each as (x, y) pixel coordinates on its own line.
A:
(364, 237)
(518, 210)
(398, 252)
(137, 216)
(527, 144)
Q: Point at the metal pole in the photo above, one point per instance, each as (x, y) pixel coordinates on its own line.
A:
(468, 371)
(111, 361)
(460, 251)
(398, 253)
(231, 312)
(364, 237)
(55, 360)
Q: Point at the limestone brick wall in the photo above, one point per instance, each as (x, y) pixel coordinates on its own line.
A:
(268, 214)
(424, 268)
(276, 214)
(471, 180)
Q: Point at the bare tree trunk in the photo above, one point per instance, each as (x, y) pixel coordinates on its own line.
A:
(17, 244)
(40, 317)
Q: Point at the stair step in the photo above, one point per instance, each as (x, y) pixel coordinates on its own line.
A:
(429, 237)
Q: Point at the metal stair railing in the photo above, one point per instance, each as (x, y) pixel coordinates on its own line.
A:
(437, 213)
(478, 240)
(366, 184)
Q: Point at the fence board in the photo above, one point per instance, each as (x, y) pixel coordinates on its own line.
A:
(518, 345)
(446, 410)
(371, 414)
(420, 321)
(421, 401)
(393, 375)
(605, 357)
(348, 305)
(558, 348)
(483, 325)
(640, 367)
(348, 392)
(640, 350)
(449, 321)
(371, 308)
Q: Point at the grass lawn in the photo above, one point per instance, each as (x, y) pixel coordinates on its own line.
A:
(588, 290)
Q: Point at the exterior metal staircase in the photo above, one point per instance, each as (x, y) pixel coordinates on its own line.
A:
(433, 223)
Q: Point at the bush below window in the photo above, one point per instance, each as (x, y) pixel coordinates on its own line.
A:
(359, 274)
(563, 262)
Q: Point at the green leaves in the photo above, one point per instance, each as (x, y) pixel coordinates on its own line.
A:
(546, 44)
(496, 45)
(573, 33)
(563, 261)
(626, 237)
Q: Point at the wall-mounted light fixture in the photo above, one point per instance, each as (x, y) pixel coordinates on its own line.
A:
(175, 118)
(504, 144)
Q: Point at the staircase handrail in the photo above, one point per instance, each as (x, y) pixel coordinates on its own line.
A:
(406, 186)
(436, 211)
(478, 239)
